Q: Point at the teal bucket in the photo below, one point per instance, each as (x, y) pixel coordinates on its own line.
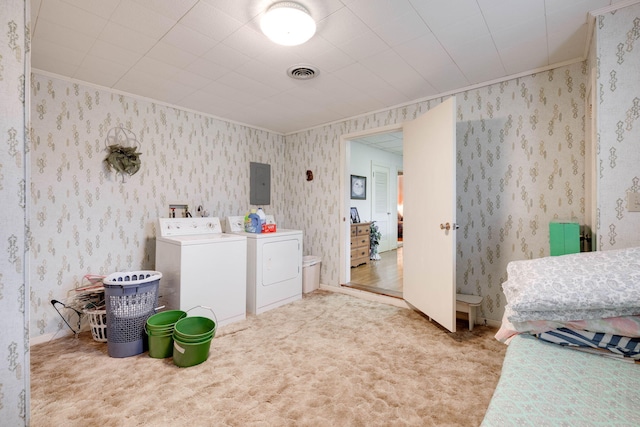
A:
(190, 354)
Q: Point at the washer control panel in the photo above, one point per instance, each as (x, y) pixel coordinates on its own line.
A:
(188, 226)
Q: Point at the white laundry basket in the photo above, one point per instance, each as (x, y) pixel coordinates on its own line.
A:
(310, 273)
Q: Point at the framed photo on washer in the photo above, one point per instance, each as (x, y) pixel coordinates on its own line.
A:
(358, 187)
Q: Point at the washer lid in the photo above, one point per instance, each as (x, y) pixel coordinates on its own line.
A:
(188, 226)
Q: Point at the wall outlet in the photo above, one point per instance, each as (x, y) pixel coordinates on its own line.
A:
(633, 201)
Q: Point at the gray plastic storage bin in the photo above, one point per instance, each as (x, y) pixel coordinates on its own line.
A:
(131, 298)
(310, 273)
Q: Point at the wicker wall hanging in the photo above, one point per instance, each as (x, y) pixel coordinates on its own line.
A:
(123, 155)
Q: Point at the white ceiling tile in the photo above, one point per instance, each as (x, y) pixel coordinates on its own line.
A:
(565, 20)
(170, 54)
(171, 9)
(566, 45)
(52, 52)
(226, 56)
(207, 69)
(189, 40)
(375, 13)
(275, 77)
(241, 10)
(192, 80)
(54, 58)
(248, 42)
(364, 45)
(401, 77)
(440, 14)
(210, 21)
(343, 26)
(34, 10)
(246, 84)
(74, 18)
(521, 32)
(126, 38)
(371, 54)
(103, 8)
(115, 54)
(501, 14)
(62, 36)
(153, 67)
(279, 58)
(424, 54)
(228, 93)
(100, 71)
(528, 55)
(403, 28)
(463, 31)
(331, 60)
(447, 78)
(142, 19)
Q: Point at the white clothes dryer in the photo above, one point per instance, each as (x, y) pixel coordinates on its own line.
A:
(201, 266)
(274, 266)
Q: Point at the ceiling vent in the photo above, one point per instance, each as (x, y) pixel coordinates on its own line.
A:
(302, 72)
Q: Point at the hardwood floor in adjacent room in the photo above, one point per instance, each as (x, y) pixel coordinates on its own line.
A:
(381, 277)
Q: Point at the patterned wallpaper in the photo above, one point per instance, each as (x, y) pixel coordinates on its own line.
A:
(520, 154)
(87, 220)
(618, 112)
(520, 164)
(14, 174)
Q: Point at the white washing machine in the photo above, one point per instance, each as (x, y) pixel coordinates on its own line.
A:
(274, 266)
(201, 266)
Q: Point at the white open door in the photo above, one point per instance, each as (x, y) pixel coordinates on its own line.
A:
(380, 204)
(430, 213)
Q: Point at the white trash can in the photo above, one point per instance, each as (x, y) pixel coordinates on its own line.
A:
(310, 273)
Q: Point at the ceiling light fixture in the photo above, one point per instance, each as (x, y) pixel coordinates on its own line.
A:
(288, 23)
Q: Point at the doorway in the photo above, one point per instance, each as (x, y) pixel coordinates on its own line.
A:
(378, 157)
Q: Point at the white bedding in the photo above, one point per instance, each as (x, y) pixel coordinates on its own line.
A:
(591, 285)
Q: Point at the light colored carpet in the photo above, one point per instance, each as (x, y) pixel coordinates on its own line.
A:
(327, 360)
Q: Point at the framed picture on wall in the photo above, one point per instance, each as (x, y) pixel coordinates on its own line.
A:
(358, 187)
(355, 218)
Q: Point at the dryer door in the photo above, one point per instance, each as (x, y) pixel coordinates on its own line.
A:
(281, 261)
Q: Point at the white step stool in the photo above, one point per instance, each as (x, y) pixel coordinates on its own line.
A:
(467, 304)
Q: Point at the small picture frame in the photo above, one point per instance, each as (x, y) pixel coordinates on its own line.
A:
(355, 218)
(358, 187)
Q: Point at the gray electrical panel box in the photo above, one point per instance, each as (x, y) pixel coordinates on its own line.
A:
(260, 184)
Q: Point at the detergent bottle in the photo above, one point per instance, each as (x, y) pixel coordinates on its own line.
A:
(263, 218)
(252, 223)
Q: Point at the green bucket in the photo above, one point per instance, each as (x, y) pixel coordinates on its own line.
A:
(160, 346)
(194, 328)
(164, 320)
(190, 354)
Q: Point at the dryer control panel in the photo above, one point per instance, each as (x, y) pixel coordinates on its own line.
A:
(188, 226)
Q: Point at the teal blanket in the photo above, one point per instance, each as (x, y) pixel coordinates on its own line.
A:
(544, 384)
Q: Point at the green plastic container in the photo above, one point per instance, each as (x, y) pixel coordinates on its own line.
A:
(160, 346)
(190, 354)
(194, 328)
(164, 320)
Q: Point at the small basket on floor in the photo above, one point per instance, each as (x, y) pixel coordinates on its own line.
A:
(98, 324)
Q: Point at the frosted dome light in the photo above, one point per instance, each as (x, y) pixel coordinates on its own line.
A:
(288, 23)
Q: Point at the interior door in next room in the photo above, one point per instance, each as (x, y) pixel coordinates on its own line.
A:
(381, 206)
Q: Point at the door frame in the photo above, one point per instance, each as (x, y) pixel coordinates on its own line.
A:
(345, 222)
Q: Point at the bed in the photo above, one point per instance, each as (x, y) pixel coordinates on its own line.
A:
(572, 324)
